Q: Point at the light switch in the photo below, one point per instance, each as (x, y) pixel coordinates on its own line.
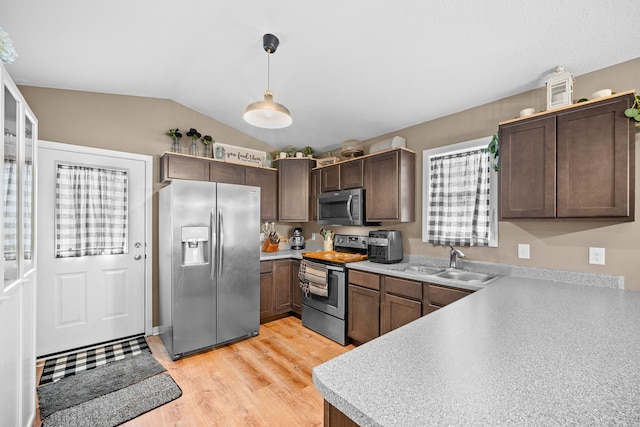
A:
(523, 251)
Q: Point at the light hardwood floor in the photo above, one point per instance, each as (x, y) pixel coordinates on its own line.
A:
(260, 381)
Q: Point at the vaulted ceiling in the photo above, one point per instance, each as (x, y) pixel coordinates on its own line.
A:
(345, 69)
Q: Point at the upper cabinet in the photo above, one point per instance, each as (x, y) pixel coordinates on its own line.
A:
(179, 166)
(343, 176)
(389, 182)
(574, 162)
(294, 188)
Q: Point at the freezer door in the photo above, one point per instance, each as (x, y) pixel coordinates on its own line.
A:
(194, 291)
(238, 261)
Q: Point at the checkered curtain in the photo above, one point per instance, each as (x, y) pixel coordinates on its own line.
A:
(91, 211)
(459, 205)
(10, 208)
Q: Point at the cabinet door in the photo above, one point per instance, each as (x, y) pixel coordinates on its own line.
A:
(296, 292)
(294, 189)
(177, 167)
(352, 174)
(282, 286)
(266, 290)
(398, 311)
(596, 148)
(363, 321)
(315, 190)
(390, 186)
(528, 169)
(267, 180)
(436, 296)
(330, 179)
(226, 172)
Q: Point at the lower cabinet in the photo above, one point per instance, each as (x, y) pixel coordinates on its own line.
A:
(279, 290)
(363, 310)
(378, 304)
(296, 291)
(401, 303)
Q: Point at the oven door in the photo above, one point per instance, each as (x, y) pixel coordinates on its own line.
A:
(335, 302)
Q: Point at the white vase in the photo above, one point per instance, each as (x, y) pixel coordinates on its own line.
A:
(327, 245)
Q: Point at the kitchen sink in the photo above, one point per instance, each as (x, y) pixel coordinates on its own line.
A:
(418, 268)
(466, 276)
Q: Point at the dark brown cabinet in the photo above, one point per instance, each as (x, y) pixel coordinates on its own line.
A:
(576, 162)
(438, 296)
(266, 290)
(296, 291)
(363, 322)
(267, 180)
(176, 166)
(330, 179)
(315, 190)
(226, 172)
(389, 180)
(294, 189)
(179, 167)
(401, 303)
(343, 176)
(275, 289)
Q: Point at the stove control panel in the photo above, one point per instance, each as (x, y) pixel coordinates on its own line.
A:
(349, 241)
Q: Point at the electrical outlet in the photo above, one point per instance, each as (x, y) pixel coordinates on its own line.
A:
(596, 256)
(313, 236)
(523, 251)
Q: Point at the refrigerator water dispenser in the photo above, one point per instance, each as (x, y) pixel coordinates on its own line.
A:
(195, 245)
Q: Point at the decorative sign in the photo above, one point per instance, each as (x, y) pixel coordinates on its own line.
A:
(236, 154)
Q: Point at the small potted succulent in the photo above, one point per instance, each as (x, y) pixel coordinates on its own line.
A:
(175, 136)
(194, 135)
(308, 151)
(290, 150)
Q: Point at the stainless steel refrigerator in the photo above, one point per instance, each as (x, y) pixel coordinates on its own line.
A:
(209, 256)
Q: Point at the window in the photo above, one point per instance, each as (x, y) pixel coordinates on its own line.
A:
(459, 195)
(91, 211)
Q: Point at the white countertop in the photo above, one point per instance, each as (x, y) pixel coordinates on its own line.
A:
(521, 351)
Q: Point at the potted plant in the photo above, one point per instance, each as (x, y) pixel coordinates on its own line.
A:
(175, 136)
(290, 150)
(308, 151)
(207, 140)
(195, 135)
(634, 111)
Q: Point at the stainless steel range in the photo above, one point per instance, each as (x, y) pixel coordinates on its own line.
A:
(323, 278)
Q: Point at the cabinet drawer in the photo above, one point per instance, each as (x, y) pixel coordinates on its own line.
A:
(265, 267)
(402, 287)
(367, 280)
(441, 296)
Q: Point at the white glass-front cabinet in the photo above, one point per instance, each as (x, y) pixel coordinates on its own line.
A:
(17, 293)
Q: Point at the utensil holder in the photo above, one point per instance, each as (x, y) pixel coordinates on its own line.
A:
(267, 246)
(327, 245)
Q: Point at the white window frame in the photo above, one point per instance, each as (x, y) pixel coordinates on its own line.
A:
(460, 147)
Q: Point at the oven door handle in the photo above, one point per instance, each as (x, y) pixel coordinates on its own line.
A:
(349, 207)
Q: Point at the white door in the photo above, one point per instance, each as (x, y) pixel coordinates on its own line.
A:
(89, 299)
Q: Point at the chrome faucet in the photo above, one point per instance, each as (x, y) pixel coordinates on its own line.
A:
(453, 257)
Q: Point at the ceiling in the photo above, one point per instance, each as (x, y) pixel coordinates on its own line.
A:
(345, 69)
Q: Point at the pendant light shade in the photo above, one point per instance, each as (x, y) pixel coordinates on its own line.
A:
(268, 114)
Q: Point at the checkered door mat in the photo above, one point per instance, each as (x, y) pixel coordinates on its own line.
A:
(57, 368)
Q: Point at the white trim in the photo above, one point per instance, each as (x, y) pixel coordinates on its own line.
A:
(426, 183)
(148, 191)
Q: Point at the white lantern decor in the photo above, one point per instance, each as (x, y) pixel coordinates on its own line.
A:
(559, 88)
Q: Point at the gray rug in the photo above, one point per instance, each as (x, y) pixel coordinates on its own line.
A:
(119, 406)
(84, 386)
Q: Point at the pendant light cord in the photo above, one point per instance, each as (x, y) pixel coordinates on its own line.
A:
(268, 70)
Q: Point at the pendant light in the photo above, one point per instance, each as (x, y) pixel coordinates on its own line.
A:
(268, 114)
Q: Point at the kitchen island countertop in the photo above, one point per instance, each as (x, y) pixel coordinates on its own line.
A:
(521, 351)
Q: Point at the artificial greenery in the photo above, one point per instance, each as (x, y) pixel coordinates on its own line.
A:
(308, 151)
(194, 134)
(175, 134)
(493, 149)
(290, 150)
(634, 111)
(207, 140)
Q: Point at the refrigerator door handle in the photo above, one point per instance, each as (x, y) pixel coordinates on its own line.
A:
(214, 244)
(221, 242)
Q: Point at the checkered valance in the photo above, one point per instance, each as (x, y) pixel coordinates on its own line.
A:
(458, 211)
(91, 211)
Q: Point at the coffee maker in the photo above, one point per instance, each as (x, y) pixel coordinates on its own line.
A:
(297, 241)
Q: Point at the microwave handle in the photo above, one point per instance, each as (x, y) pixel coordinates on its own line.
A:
(349, 207)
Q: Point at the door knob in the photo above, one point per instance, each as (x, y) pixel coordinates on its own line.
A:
(137, 257)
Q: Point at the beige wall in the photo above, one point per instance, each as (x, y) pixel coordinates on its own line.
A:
(125, 123)
(138, 125)
(558, 245)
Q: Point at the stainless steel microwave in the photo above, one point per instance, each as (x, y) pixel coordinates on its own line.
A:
(345, 207)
